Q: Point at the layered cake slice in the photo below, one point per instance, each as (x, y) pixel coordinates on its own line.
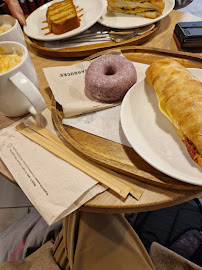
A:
(62, 17)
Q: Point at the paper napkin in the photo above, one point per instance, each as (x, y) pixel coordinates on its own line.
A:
(68, 87)
(53, 186)
(105, 123)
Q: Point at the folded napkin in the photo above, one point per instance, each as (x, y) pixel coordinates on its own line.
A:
(68, 87)
(105, 123)
(53, 186)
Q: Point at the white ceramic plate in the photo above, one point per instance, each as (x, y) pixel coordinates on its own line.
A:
(126, 21)
(153, 137)
(92, 11)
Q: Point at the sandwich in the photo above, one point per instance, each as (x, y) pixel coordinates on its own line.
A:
(180, 98)
(144, 8)
(62, 17)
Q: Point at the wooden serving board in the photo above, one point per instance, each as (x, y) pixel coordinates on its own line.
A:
(114, 155)
(84, 51)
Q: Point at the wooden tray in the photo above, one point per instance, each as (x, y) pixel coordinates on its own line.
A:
(83, 51)
(114, 155)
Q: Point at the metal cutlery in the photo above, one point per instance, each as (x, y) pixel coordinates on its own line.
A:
(90, 35)
(116, 36)
(119, 38)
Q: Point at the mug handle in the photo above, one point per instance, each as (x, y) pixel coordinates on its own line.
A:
(29, 90)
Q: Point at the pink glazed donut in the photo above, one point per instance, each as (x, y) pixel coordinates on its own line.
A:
(109, 77)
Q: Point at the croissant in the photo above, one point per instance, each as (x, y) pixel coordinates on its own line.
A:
(180, 98)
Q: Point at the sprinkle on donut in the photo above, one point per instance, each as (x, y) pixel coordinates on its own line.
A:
(109, 77)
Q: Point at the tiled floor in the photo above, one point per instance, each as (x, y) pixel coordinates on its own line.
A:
(13, 203)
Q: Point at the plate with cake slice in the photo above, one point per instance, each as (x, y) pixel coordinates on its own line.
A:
(125, 14)
(59, 19)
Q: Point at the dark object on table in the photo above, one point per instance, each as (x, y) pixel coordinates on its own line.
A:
(24, 6)
(32, 5)
(182, 3)
(40, 2)
(4, 8)
(188, 34)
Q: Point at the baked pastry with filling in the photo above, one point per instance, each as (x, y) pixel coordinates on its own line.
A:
(144, 8)
(180, 99)
(62, 17)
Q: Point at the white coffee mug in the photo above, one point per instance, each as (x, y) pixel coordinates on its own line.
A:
(15, 33)
(19, 88)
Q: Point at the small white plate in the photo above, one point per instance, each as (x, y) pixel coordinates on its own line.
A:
(153, 136)
(126, 21)
(92, 11)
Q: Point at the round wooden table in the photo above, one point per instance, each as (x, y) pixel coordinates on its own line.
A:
(154, 197)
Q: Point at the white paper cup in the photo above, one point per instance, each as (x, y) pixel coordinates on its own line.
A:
(19, 88)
